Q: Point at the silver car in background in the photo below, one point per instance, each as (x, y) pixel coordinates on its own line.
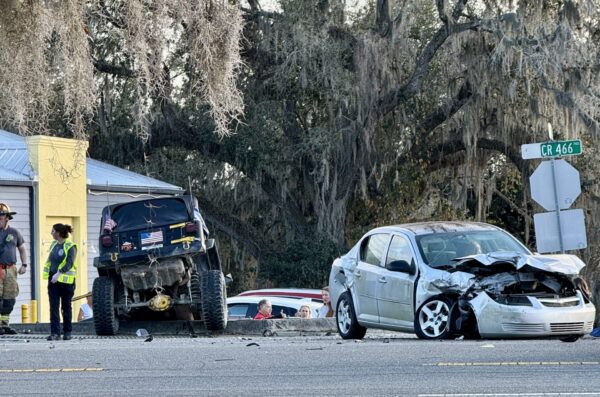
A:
(443, 279)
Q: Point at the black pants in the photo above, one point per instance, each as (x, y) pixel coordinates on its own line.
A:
(6, 307)
(60, 295)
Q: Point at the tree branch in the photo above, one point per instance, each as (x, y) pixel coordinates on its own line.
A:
(391, 100)
(512, 205)
(231, 226)
(382, 20)
(447, 110)
(117, 70)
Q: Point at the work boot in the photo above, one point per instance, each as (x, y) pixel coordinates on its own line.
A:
(67, 336)
(9, 330)
(53, 337)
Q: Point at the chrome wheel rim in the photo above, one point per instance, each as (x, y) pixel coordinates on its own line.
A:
(344, 319)
(433, 318)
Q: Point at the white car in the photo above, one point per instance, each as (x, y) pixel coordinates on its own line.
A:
(440, 279)
(239, 307)
(293, 293)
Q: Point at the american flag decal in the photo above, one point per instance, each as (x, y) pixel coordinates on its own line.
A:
(151, 237)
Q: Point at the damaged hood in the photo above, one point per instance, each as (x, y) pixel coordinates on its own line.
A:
(466, 276)
(563, 263)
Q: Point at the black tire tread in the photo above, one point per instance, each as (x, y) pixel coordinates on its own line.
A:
(196, 289)
(214, 300)
(106, 321)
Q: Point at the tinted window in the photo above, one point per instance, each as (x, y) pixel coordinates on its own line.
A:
(149, 213)
(289, 311)
(372, 249)
(399, 250)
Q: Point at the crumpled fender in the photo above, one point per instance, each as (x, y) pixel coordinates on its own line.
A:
(561, 263)
(349, 262)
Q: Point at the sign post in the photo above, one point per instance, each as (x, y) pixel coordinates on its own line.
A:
(551, 149)
(555, 185)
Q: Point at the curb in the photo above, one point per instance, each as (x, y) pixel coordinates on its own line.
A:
(292, 326)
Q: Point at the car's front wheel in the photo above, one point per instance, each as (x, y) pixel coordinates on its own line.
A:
(347, 325)
(433, 319)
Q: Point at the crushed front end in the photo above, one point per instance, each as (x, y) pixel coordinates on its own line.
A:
(515, 295)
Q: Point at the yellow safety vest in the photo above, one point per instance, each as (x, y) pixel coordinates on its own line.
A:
(67, 277)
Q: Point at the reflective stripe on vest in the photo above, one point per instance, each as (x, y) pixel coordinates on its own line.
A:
(67, 277)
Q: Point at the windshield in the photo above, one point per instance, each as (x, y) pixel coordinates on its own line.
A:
(439, 249)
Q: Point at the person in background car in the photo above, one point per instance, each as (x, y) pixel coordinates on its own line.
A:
(264, 311)
(86, 310)
(304, 312)
(325, 310)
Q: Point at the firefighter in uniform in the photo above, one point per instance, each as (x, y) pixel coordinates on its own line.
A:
(60, 270)
(10, 241)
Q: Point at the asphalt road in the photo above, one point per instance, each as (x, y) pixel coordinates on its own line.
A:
(299, 366)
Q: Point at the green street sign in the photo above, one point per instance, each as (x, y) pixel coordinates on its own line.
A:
(561, 148)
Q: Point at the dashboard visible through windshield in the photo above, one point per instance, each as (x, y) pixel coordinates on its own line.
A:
(439, 249)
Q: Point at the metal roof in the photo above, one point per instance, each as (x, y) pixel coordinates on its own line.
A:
(103, 176)
(14, 159)
(14, 166)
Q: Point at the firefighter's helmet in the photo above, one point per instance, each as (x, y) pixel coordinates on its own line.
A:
(5, 210)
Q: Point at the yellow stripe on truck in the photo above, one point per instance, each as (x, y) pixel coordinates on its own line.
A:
(182, 240)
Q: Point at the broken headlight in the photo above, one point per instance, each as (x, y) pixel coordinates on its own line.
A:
(511, 300)
(581, 285)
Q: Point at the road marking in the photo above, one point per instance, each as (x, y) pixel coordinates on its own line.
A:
(10, 371)
(592, 393)
(524, 363)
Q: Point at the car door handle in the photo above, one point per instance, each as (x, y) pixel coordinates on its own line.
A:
(357, 273)
(382, 280)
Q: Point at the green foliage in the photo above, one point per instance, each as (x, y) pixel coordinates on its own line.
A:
(305, 263)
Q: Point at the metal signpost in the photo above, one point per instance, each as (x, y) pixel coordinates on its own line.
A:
(555, 185)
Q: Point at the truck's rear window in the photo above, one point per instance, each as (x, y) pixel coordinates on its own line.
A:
(150, 213)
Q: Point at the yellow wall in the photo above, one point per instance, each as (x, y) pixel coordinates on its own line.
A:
(60, 197)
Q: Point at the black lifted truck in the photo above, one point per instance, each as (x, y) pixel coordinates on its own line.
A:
(156, 257)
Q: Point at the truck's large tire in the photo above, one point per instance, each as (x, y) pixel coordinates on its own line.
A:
(196, 289)
(214, 300)
(106, 321)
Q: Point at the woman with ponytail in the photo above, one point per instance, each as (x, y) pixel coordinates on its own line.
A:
(60, 270)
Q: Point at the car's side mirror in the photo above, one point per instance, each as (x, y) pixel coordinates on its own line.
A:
(402, 266)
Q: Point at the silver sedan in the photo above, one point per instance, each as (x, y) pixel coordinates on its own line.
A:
(444, 279)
